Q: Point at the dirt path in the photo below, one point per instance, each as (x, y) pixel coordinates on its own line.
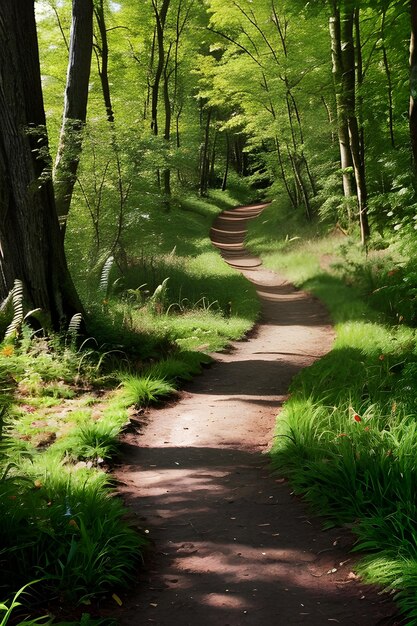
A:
(232, 546)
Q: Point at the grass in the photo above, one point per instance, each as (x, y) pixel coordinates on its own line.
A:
(347, 438)
(63, 407)
(172, 290)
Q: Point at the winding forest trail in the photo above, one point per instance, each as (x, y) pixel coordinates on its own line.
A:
(232, 545)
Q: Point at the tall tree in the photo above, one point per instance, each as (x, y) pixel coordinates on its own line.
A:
(347, 74)
(413, 83)
(75, 106)
(101, 50)
(31, 247)
(342, 126)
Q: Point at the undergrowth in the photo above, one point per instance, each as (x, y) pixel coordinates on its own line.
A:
(64, 403)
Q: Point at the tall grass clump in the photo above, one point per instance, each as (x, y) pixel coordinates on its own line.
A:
(59, 519)
(347, 437)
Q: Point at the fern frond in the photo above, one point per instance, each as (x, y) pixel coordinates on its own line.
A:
(105, 274)
(160, 291)
(75, 325)
(17, 300)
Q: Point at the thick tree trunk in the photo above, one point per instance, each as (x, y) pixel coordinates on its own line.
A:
(75, 106)
(413, 86)
(31, 247)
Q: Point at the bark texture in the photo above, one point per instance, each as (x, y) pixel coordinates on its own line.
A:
(413, 84)
(75, 106)
(101, 49)
(31, 247)
(342, 127)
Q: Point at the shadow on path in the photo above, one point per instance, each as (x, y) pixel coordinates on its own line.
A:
(232, 546)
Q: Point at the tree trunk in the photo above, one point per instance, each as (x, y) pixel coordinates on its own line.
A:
(160, 16)
(226, 167)
(204, 160)
(167, 128)
(102, 54)
(31, 247)
(413, 86)
(390, 89)
(330, 119)
(283, 173)
(349, 91)
(75, 106)
(342, 127)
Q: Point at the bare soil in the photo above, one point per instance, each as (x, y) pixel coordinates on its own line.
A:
(231, 544)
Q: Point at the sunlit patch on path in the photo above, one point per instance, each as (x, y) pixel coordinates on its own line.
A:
(232, 545)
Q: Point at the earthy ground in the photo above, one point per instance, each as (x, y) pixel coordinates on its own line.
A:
(232, 546)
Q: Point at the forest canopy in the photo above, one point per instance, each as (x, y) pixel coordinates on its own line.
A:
(309, 100)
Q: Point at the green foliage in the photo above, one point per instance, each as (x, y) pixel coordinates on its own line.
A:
(105, 276)
(143, 390)
(8, 608)
(66, 528)
(59, 520)
(347, 436)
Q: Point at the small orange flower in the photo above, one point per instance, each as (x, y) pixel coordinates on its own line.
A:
(73, 523)
(7, 351)
(357, 418)
(367, 429)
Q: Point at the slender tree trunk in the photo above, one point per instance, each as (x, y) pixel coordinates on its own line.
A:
(226, 168)
(212, 174)
(283, 173)
(390, 89)
(102, 54)
(349, 89)
(167, 131)
(359, 86)
(167, 128)
(147, 101)
(413, 85)
(160, 16)
(342, 127)
(204, 160)
(31, 247)
(330, 119)
(75, 106)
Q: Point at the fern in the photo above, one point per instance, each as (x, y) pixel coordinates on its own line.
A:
(17, 301)
(158, 297)
(105, 275)
(74, 325)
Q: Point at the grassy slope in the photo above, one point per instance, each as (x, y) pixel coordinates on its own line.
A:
(206, 303)
(347, 438)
